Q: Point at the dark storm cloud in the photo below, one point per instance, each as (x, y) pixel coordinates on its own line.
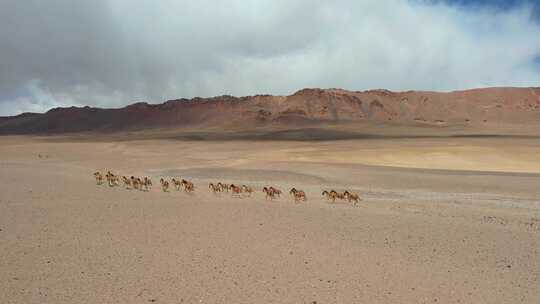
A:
(60, 41)
(113, 52)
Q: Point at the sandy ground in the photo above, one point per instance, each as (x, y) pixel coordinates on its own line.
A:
(441, 221)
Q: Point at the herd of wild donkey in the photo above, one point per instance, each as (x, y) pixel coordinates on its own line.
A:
(144, 184)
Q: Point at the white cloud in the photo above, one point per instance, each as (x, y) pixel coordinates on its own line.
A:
(149, 50)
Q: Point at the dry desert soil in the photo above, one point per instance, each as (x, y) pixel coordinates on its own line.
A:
(442, 220)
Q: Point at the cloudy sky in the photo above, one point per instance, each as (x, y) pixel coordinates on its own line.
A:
(115, 52)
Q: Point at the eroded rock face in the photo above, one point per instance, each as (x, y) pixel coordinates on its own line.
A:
(494, 105)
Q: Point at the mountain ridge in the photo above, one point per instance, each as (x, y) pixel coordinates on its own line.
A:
(503, 105)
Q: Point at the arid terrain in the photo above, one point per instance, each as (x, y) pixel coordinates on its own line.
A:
(443, 219)
(449, 210)
(256, 152)
(493, 109)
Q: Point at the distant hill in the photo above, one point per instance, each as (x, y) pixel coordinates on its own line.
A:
(519, 106)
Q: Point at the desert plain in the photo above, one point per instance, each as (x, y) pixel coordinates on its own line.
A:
(441, 220)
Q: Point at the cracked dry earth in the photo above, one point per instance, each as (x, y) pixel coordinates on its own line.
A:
(433, 226)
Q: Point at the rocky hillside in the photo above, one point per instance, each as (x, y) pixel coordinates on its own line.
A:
(308, 106)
